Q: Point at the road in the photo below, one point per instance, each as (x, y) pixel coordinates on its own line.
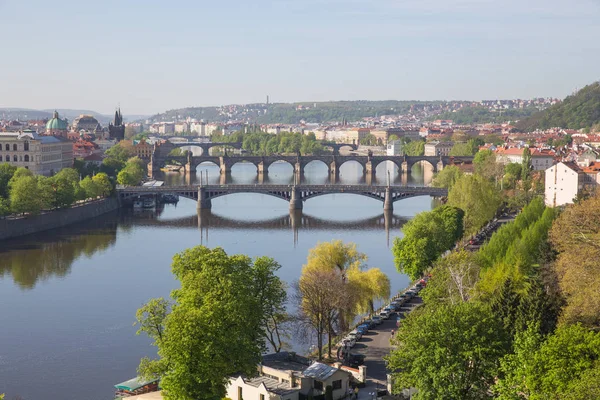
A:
(376, 345)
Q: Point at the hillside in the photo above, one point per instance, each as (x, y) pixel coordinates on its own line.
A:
(481, 115)
(580, 110)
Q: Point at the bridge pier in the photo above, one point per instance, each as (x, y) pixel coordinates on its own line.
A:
(439, 166)
(405, 168)
(204, 202)
(295, 199)
(224, 166)
(260, 168)
(388, 204)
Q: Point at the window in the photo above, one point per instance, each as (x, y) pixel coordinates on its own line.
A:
(15, 147)
(336, 384)
(15, 158)
(0, 158)
(26, 157)
(26, 146)
(240, 393)
(318, 385)
(7, 147)
(262, 397)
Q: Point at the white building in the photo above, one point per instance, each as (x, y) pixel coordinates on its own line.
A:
(260, 388)
(43, 155)
(395, 148)
(438, 148)
(566, 180)
(540, 159)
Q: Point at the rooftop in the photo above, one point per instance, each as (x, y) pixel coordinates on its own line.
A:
(319, 371)
(272, 385)
(286, 361)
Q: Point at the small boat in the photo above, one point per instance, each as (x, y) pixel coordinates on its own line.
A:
(148, 203)
(138, 203)
(171, 168)
(170, 198)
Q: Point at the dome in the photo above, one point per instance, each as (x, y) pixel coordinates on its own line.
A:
(56, 123)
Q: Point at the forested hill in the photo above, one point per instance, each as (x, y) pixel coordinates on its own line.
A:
(581, 110)
(293, 113)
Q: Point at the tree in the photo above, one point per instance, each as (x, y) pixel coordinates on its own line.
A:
(555, 368)
(478, 198)
(103, 183)
(452, 278)
(368, 140)
(486, 165)
(447, 177)
(319, 296)
(65, 184)
(6, 173)
(448, 352)
(4, 207)
(414, 148)
(366, 285)
(467, 148)
(526, 164)
(213, 328)
(24, 195)
(575, 235)
(122, 151)
(133, 172)
(90, 188)
(426, 237)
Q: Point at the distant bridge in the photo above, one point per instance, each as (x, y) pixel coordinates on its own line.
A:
(298, 163)
(206, 146)
(295, 194)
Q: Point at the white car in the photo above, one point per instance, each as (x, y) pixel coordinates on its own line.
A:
(384, 314)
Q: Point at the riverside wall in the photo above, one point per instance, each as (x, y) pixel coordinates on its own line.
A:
(11, 228)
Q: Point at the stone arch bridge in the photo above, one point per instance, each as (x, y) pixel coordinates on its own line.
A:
(294, 194)
(299, 163)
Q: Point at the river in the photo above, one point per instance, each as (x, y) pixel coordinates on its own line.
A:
(68, 297)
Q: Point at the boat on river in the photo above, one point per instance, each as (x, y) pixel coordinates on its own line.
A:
(171, 168)
(148, 202)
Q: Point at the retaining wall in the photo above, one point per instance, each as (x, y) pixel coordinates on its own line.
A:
(11, 228)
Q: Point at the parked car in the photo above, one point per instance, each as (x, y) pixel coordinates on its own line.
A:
(363, 329)
(378, 320)
(348, 341)
(355, 360)
(384, 314)
(355, 334)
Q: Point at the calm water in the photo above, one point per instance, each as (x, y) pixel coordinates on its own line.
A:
(68, 297)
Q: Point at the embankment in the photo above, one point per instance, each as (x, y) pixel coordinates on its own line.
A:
(12, 228)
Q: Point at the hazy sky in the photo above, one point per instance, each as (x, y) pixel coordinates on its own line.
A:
(153, 55)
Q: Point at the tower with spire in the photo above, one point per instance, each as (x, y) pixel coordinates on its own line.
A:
(116, 129)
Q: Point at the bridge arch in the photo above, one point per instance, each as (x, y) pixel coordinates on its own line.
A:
(267, 164)
(315, 161)
(397, 163)
(354, 160)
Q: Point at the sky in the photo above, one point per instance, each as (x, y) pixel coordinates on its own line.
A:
(153, 55)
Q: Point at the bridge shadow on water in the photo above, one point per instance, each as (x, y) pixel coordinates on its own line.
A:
(296, 221)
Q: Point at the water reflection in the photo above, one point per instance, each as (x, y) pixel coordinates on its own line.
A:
(39, 257)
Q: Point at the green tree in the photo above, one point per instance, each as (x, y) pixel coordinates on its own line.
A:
(468, 148)
(4, 207)
(478, 198)
(213, 328)
(448, 352)
(486, 165)
(133, 172)
(24, 195)
(453, 278)
(447, 177)
(112, 166)
(414, 148)
(554, 368)
(368, 140)
(90, 188)
(65, 184)
(103, 183)
(426, 237)
(6, 173)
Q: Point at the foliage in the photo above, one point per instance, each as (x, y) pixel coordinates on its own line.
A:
(414, 148)
(480, 115)
(486, 165)
(103, 183)
(448, 352)
(4, 207)
(468, 148)
(364, 285)
(447, 177)
(368, 140)
(580, 110)
(575, 235)
(24, 195)
(452, 278)
(133, 172)
(214, 327)
(65, 185)
(6, 173)
(260, 143)
(90, 187)
(478, 198)
(559, 367)
(426, 237)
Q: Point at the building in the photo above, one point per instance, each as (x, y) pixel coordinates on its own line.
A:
(438, 148)
(566, 181)
(287, 376)
(540, 159)
(57, 126)
(199, 128)
(395, 148)
(43, 155)
(142, 149)
(86, 123)
(116, 129)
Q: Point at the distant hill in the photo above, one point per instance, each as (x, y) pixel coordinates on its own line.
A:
(25, 114)
(481, 115)
(580, 110)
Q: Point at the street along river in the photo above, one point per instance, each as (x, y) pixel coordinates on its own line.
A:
(68, 297)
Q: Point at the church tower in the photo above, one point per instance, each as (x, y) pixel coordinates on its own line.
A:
(116, 129)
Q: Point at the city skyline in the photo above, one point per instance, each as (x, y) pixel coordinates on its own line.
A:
(150, 57)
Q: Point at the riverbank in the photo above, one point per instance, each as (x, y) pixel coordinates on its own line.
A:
(12, 228)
